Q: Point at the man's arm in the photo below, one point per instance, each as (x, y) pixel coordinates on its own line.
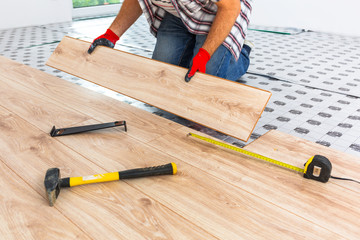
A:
(130, 11)
(228, 11)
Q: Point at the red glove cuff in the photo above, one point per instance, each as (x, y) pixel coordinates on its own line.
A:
(204, 55)
(110, 35)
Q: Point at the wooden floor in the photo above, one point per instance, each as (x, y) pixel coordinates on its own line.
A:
(217, 194)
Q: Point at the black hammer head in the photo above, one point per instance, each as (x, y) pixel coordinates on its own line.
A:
(52, 184)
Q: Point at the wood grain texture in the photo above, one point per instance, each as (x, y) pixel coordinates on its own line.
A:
(297, 151)
(223, 105)
(329, 206)
(225, 211)
(141, 124)
(198, 198)
(217, 193)
(102, 211)
(24, 216)
(125, 212)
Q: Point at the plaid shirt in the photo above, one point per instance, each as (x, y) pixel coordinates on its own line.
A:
(198, 15)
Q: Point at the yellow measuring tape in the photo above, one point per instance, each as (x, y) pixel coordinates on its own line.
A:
(255, 155)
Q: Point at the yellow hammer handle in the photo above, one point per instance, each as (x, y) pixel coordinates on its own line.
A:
(167, 169)
(106, 177)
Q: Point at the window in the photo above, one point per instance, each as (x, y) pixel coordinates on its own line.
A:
(92, 8)
(90, 3)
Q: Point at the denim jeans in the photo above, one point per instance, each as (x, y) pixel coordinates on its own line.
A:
(176, 45)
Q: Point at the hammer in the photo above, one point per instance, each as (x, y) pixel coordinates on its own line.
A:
(53, 182)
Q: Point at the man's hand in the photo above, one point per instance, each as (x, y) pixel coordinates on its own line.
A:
(198, 64)
(108, 39)
(228, 11)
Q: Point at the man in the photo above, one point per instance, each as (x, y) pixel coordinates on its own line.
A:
(205, 35)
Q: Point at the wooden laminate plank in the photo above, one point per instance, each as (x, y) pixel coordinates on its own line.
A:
(223, 105)
(111, 210)
(141, 124)
(329, 205)
(294, 150)
(24, 216)
(42, 112)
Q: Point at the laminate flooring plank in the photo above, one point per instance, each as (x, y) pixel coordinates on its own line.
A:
(328, 205)
(219, 207)
(23, 214)
(223, 105)
(296, 151)
(112, 210)
(141, 124)
(37, 109)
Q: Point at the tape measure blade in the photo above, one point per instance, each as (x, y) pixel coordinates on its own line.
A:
(243, 151)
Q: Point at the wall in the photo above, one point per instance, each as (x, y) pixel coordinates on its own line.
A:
(333, 16)
(19, 13)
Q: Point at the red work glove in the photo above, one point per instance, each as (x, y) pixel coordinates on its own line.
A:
(108, 39)
(198, 64)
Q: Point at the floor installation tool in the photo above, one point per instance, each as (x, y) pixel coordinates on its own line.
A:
(317, 167)
(72, 130)
(53, 182)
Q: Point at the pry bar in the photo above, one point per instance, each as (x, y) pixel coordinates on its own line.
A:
(72, 130)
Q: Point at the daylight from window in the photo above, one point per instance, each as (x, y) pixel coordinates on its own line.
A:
(90, 3)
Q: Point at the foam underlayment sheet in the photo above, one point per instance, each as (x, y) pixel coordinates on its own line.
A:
(319, 60)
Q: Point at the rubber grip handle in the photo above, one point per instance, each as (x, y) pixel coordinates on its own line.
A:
(187, 78)
(167, 169)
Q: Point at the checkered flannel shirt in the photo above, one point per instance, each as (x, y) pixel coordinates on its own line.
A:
(198, 15)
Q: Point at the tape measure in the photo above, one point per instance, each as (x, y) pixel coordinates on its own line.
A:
(317, 167)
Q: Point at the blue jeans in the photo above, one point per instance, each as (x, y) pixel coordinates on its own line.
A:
(176, 45)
